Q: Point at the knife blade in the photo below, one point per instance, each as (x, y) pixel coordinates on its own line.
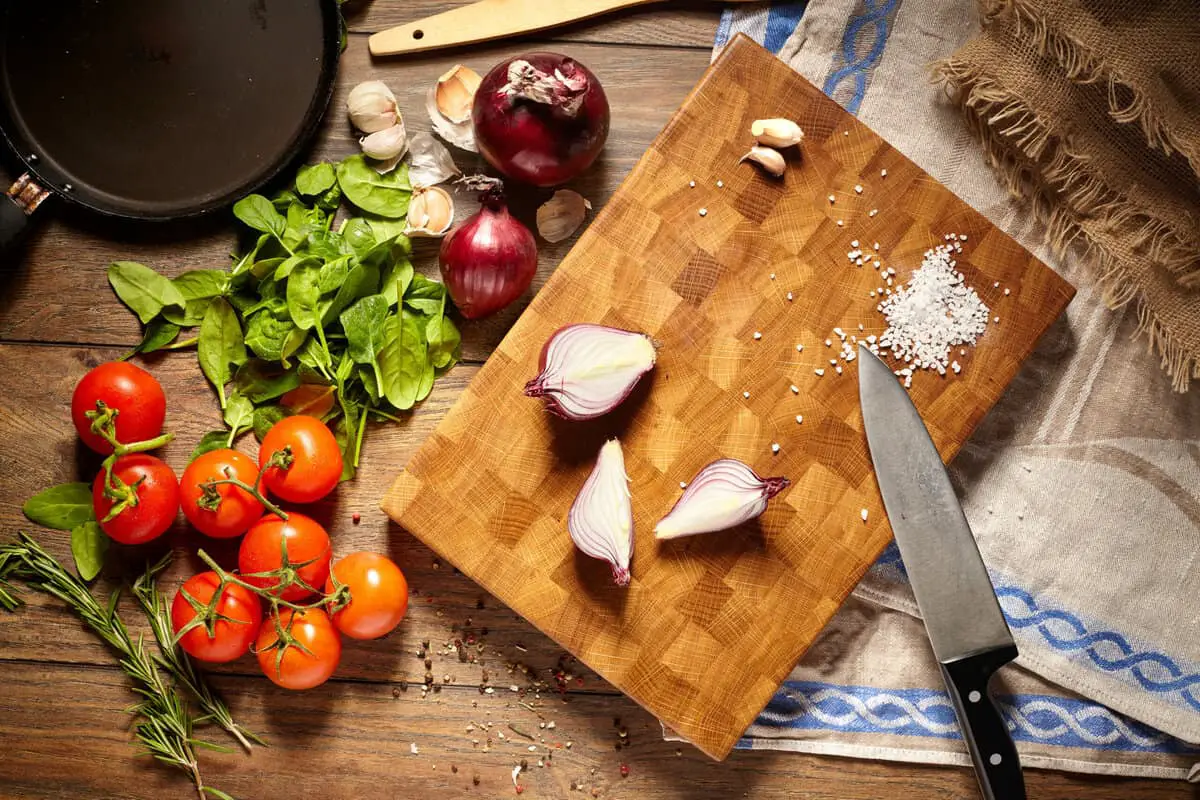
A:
(966, 627)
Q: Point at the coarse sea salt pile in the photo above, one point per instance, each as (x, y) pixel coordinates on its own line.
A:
(932, 313)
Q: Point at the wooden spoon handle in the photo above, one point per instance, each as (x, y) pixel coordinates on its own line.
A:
(486, 20)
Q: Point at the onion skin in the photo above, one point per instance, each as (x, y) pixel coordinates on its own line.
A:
(489, 260)
(539, 143)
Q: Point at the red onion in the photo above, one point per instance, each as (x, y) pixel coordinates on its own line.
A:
(541, 118)
(601, 518)
(588, 370)
(489, 260)
(723, 495)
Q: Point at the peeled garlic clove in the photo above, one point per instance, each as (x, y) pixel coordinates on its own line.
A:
(430, 212)
(390, 143)
(776, 132)
(770, 160)
(561, 215)
(431, 162)
(723, 495)
(588, 370)
(601, 518)
(454, 93)
(372, 107)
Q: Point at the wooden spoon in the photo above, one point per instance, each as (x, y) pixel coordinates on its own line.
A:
(491, 19)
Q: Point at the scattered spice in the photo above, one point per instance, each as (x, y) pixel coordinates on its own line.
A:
(858, 189)
(799, 419)
(863, 514)
(757, 335)
(704, 212)
(775, 447)
(356, 517)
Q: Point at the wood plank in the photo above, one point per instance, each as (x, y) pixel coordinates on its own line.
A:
(55, 289)
(65, 736)
(680, 23)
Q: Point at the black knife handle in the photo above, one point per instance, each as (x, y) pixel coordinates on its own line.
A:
(992, 750)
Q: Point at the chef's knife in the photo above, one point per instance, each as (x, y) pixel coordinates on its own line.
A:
(970, 638)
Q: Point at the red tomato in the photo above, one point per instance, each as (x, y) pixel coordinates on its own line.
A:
(237, 510)
(378, 595)
(262, 551)
(298, 669)
(316, 459)
(230, 639)
(131, 390)
(157, 499)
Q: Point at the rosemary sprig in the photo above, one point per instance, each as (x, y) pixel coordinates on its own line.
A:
(172, 659)
(165, 727)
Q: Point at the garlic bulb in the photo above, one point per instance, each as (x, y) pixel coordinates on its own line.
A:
(601, 518)
(430, 212)
(776, 132)
(588, 370)
(561, 215)
(386, 144)
(448, 103)
(769, 159)
(723, 495)
(372, 107)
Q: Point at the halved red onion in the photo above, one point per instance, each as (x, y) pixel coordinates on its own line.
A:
(601, 518)
(723, 495)
(588, 370)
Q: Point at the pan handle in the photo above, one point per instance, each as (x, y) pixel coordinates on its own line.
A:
(21, 200)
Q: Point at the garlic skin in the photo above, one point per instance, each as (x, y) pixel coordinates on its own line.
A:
(448, 103)
(387, 144)
(431, 163)
(430, 212)
(372, 107)
(776, 132)
(561, 215)
(588, 370)
(769, 159)
(601, 518)
(723, 495)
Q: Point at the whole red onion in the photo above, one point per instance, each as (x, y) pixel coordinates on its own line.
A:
(489, 260)
(541, 118)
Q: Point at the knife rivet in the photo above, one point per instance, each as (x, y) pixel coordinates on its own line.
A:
(994, 759)
(974, 697)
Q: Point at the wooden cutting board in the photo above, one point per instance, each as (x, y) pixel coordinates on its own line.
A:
(710, 625)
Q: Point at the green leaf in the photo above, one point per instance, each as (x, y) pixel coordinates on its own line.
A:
(221, 345)
(288, 264)
(191, 315)
(346, 434)
(61, 507)
(333, 274)
(425, 295)
(302, 222)
(268, 336)
(386, 229)
(142, 289)
(444, 342)
(327, 245)
(202, 283)
(358, 234)
(158, 334)
(303, 295)
(396, 280)
(258, 212)
(331, 199)
(260, 381)
(402, 359)
(88, 546)
(265, 418)
(247, 260)
(213, 440)
(363, 324)
(386, 195)
(361, 281)
(313, 356)
(313, 179)
(239, 412)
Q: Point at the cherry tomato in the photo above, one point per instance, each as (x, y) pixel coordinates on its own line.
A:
(316, 459)
(307, 541)
(297, 669)
(230, 640)
(237, 510)
(378, 595)
(131, 390)
(157, 499)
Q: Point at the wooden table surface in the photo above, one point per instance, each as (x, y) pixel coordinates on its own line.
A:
(62, 730)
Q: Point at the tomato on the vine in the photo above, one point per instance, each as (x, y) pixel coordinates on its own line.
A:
(307, 543)
(378, 595)
(316, 459)
(239, 614)
(297, 669)
(157, 492)
(235, 508)
(136, 396)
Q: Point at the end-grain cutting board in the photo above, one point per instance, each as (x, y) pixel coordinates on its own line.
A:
(711, 624)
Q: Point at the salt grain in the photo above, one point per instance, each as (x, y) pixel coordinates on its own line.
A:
(720, 184)
(799, 418)
(840, 223)
(838, 370)
(858, 189)
(746, 395)
(829, 343)
(877, 245)
(795, 389)
(799, 348)
(863, 514)
(854, 243)
(775, 447)
(789, 296)
(883, 173)
(832, 199)
(1007, 292)
(704, 212)
(819, 372)
(757, 335)
(772, 276)
(692, 184)
(683, 484)
(872, 212)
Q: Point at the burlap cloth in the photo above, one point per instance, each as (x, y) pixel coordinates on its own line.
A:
(1090, 111)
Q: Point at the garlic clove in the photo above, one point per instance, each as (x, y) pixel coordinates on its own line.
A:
(385, 145)
(372, 107)
(430, 212)
(776, 132)
(723, 495)
(561, 215)
(588, 370)
(431, 163)
(601, 518)
(770, 160)
(454, 93)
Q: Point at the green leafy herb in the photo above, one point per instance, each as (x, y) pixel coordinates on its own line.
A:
(239, 414)
(385, 195)
(265, 418)
(158, 334)
(142, 289)
(213, 440)
(315, 179)
(221, 346)
(261, 380)
(63, 507)
(88, 546)
(363, 324)
(258, 213)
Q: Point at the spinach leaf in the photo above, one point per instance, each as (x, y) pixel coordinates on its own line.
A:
(313, 179)
(291, 344)
(346, 434)
(358, 234)
(260, 381)
(402, 359)
(61, 507)
(288, 264)
(266, 335)
(221, 345)
(361, 281)
(425, 295)
(386, 195)
(370, 384)
(314, 357)
(202, 283)
(246, 261)
(213, 440)
(265, 418)
(158, 334)
(142, 289)
(303, 295)
(363, 324)
(88, 546)
(444, 342)
(283, 199)
(387, 251)
(239, 412)
(333, 274)
(266, 266)
(327, 245)
(258, 212)
(331, 198)
(191, 315)
(396, 280)
(301, 223)
(385, 228)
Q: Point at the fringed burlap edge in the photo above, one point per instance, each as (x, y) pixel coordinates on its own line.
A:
(1083, 65)
(1058, 192)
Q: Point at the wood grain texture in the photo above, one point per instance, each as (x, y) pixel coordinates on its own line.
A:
(711, 625)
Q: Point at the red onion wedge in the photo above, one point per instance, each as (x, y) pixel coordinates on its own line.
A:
(601, 518)
(588, 370)
(723, 495)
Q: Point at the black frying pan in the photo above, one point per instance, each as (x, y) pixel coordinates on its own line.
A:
(158, 109)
